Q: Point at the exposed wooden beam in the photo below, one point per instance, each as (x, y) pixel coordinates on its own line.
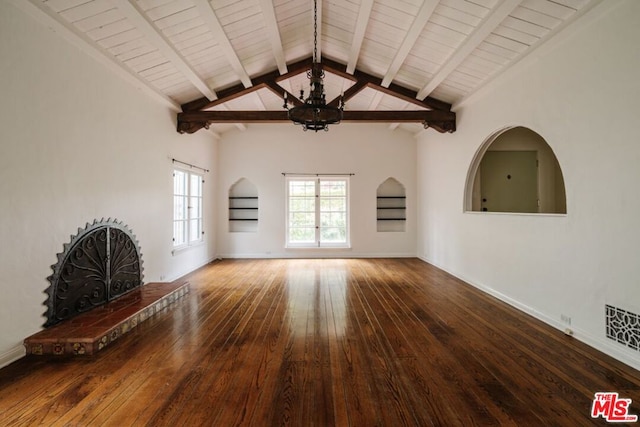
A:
(279, 91)
(271, 25)
(442, 121)
(210, 18)
(425, 12)
(349, 93)
(138, 18)
(358, 35)
(257, 83)
(478, 36)
(393, 89)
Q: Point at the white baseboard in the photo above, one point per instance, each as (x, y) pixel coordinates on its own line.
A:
(12, 355)
(312, 253)
(610, 349)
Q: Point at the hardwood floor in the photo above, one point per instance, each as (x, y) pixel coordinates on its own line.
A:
(358, 342)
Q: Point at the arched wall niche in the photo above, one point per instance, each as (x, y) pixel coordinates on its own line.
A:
(521, 175)
(243, 206)
(391, 206)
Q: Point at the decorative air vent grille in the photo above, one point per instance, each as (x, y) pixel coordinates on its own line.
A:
(623, 326)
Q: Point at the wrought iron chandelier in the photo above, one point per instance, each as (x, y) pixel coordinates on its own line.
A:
(314, 113)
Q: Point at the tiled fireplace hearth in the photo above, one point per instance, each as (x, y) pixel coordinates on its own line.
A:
(92, 331)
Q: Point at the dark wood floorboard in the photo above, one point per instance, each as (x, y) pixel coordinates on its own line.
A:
(333, 342)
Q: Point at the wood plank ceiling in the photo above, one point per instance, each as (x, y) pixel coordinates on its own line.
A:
(230, 56)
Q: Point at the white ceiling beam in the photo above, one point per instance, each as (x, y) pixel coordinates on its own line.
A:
(271, 25)
(211, 20)
(487, 26)
(137, 17)
(409, 41)
(48, 17)
(358, 35)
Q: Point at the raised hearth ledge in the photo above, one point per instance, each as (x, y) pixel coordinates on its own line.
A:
(90, 332)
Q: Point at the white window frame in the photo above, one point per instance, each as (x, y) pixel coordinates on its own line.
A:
(188, 209)
(317, 241)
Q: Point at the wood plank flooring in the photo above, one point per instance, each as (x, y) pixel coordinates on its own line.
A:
(344, 342)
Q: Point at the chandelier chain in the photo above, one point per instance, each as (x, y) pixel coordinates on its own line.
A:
(315, 31)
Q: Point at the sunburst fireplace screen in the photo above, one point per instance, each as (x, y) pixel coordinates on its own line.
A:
(100, 263)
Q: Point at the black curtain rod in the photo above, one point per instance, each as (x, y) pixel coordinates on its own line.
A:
(189, 164)
(317, 174)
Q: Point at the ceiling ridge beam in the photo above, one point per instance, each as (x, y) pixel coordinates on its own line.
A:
(366, 6)
(271, 24)
(69, 32)
(423, 16)
(212, 22)
(488, 25)
(137, 16)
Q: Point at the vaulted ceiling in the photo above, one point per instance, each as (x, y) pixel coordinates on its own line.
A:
(223, 62)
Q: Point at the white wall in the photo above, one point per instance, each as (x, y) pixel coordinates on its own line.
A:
(581, 95)
(263, 152)
(77, 143)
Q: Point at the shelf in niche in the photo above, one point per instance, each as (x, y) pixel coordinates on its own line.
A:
(392, 219)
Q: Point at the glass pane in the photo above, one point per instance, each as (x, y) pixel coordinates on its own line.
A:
(179, 182)
(194, 230)
(333, 204)
(302, 234)
(194, 207)
(196, 185)
(302, 188)
(307, 204)
(179, 207)
(333, 235)
(333, 219)
(179, 233)
(302, 219)
(333, 188)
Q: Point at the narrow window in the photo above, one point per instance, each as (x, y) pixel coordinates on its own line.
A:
(187, 208)
(317, 212)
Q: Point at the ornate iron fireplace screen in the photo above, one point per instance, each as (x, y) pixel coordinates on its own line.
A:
(99, 264)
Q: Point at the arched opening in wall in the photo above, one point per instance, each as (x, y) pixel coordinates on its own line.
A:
(243, 206)
(515, 170)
